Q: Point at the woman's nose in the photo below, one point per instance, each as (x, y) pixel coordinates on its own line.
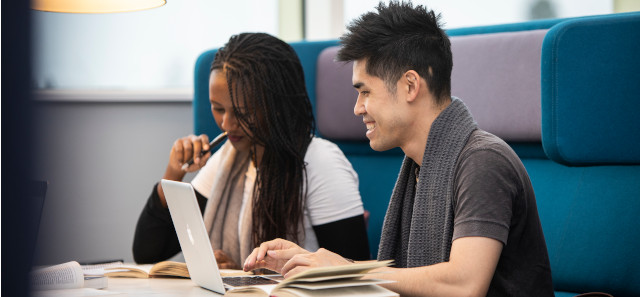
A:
(229, 121)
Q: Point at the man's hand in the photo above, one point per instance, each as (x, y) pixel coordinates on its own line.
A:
(302, 262)
(224, 261)
(272, 255)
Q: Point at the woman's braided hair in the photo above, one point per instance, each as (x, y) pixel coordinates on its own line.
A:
(265, 77)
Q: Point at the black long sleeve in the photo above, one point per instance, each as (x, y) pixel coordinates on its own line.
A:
(155, 237)
(346, 237)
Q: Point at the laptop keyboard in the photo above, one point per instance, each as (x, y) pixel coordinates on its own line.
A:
(240, 281)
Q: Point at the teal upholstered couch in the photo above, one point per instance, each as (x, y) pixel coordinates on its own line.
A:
(564, 93)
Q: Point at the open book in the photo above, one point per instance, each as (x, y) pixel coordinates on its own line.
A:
(344, 280)
(68, 275)
(160, 269)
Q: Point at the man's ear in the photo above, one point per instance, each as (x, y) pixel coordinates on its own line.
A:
(411, 81)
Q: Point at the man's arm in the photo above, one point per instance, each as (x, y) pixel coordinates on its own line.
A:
(471, 266)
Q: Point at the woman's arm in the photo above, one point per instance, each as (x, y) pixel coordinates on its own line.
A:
(333, 201)
(347, 237)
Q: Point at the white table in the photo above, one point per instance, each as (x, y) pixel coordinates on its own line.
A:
(158, 287)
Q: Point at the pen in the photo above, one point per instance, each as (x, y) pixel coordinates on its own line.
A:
(220, 138)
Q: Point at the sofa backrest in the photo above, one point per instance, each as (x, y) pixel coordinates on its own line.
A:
(589, 191)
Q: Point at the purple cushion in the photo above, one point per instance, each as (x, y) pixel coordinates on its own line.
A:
(497, 75)
(335, 99)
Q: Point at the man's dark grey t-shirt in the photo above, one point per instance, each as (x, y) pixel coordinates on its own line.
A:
(494, 198)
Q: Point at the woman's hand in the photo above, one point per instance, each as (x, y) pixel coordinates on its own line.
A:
(182, 151)
(272, 255)
(224, 261)
(186, 148)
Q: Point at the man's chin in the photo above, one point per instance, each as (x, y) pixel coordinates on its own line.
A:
(378, 147)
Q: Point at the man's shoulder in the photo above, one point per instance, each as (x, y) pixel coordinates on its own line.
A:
(491, 153)
(481, 140)
(489, 150)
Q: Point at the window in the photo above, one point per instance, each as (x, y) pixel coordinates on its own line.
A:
(148, 49)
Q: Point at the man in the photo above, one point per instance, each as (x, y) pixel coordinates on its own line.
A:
(462, 219)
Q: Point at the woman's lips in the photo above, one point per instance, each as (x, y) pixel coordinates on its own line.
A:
(234, 138)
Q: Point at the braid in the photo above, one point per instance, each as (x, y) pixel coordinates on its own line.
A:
(265, 76)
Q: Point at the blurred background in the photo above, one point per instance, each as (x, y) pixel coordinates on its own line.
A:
(156, 48)
(113, 91)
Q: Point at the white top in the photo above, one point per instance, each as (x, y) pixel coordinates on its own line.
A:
(332, 187)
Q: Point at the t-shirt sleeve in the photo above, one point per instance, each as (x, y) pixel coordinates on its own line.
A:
(332, 184)
(486, 187)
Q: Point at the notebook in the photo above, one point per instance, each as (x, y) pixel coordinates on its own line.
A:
(195, 244)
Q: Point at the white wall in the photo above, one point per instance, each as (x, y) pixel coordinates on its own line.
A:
(101, 160)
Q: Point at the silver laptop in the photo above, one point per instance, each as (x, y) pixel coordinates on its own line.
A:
(194, 240)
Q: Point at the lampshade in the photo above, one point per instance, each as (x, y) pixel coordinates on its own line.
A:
(94, 6)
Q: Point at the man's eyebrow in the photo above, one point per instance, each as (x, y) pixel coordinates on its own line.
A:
(358, 85)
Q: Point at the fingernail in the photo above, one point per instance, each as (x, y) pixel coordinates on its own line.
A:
(271, 253)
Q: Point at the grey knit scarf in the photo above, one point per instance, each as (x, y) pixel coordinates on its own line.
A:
(418, 226)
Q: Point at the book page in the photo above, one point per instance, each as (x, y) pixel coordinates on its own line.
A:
(62, 276)
(338, 284)
(337, 271)
(169, 268)
(98, 269)
(129, 270)
(360, 291)
(252, 291)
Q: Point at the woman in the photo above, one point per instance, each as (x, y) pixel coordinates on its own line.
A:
(272, 178)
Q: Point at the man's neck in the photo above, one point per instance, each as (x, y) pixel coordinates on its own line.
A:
(419, 134)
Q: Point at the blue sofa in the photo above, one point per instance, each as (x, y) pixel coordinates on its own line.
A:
(564, 93)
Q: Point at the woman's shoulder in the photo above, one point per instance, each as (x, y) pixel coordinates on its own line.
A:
(318, 142)
(322, 147)
(322, 151)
